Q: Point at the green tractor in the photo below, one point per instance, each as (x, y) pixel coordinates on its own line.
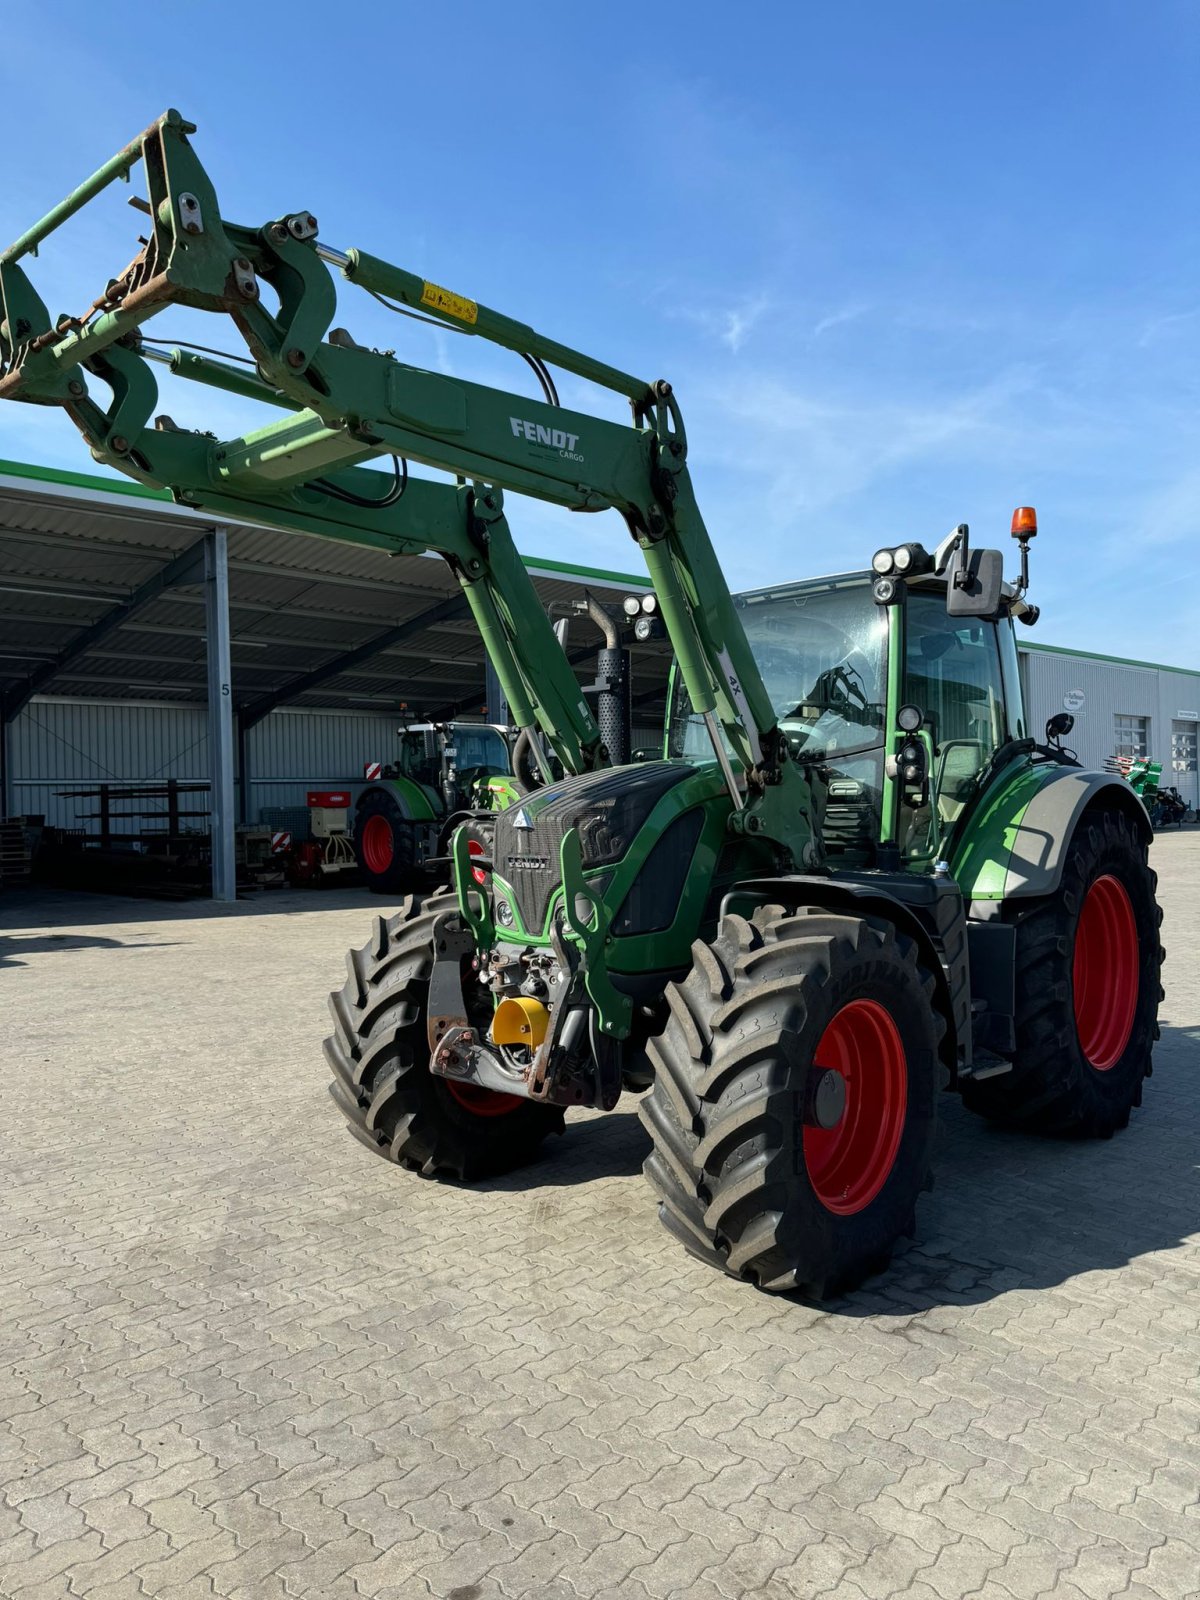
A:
(856, 878)
(404, 819)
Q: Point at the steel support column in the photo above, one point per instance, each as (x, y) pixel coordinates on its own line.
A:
(7, 792)
(243, 775)
(220, 715)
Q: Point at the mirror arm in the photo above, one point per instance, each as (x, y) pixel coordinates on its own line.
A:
(948, 546)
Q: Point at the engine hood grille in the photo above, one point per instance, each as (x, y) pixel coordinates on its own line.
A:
(606, 808)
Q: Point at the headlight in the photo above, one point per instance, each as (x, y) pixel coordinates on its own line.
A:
(883, 561)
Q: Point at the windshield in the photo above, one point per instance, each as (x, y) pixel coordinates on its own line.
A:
(821, 649)
(479, 747)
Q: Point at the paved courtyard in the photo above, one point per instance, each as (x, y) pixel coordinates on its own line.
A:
(241, 1357)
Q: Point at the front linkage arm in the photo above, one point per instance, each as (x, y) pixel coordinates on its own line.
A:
(347, 405)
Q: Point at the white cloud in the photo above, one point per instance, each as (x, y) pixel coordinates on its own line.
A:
(835, 319)
(730, 325)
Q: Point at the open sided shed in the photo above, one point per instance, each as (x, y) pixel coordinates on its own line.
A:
(123, 615)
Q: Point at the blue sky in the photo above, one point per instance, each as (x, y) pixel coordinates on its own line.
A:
(906, 265)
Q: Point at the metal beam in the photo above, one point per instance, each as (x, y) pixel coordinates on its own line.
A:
(447, 712)
(185, 568)
(243, 775)
(220, 715)
(251, 715)
(6, 777)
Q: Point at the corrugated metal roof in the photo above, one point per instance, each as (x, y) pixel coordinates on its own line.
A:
(73, 547)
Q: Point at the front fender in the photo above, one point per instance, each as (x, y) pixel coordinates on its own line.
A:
(1015, 839)
(413, 800)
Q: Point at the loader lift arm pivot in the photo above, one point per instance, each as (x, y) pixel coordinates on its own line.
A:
(346, 405)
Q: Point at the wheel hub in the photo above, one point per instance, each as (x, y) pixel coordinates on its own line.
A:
(824, 1097)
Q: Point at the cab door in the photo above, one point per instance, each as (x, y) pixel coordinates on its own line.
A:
(953, 670)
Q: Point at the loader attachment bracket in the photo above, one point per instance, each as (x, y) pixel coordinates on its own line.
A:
(588, 924)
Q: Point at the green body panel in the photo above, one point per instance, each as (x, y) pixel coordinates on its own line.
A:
(503, 793)
(890, 818)
(981, 856)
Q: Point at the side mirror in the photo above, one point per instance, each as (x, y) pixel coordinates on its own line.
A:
(976, 582)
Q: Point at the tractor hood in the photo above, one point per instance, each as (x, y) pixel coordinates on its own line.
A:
(607, 809)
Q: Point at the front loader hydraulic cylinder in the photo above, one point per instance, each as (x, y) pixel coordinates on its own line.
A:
(380, 277)
(219, 375)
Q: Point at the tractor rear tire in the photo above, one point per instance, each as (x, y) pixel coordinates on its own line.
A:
(385, 845)
(379, 1055)
(1087, 965)
(744, 1181)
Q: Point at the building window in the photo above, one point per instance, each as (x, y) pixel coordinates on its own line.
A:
(1132, 736)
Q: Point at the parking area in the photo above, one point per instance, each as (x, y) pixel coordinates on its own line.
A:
(239, 1356)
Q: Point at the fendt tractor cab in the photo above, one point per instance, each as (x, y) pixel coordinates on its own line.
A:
(855, 877)
(443, 773)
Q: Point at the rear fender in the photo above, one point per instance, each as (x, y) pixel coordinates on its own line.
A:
(1015, 840)
(413, 801)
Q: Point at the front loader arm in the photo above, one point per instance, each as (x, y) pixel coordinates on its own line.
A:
(346, 405)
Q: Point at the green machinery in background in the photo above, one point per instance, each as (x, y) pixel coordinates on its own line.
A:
(444, 774)
(856, 876)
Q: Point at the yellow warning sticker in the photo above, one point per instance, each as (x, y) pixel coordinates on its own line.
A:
(451, 304)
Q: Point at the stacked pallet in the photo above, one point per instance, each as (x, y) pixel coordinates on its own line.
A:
(15, 861)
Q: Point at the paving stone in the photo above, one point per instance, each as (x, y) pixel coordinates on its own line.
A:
(241, 1359)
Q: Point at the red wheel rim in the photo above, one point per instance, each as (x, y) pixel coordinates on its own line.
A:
(378, 846)
(481, 1102)
(849, 1164)
(1105, 973)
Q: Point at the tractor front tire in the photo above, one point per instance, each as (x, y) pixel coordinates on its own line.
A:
(379, 1055)
(745, 1177)
(1087, 967)
(385, 845)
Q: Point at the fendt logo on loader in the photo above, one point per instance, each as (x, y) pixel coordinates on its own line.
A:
(556, 438)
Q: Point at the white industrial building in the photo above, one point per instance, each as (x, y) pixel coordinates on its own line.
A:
(1120, 706)
(140, 644)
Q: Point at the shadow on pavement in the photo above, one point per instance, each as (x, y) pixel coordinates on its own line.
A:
(40, 907)
(1014, 1211)
(1009, 1210)
(14, 946)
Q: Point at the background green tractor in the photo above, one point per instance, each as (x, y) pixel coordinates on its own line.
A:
(443, 772)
